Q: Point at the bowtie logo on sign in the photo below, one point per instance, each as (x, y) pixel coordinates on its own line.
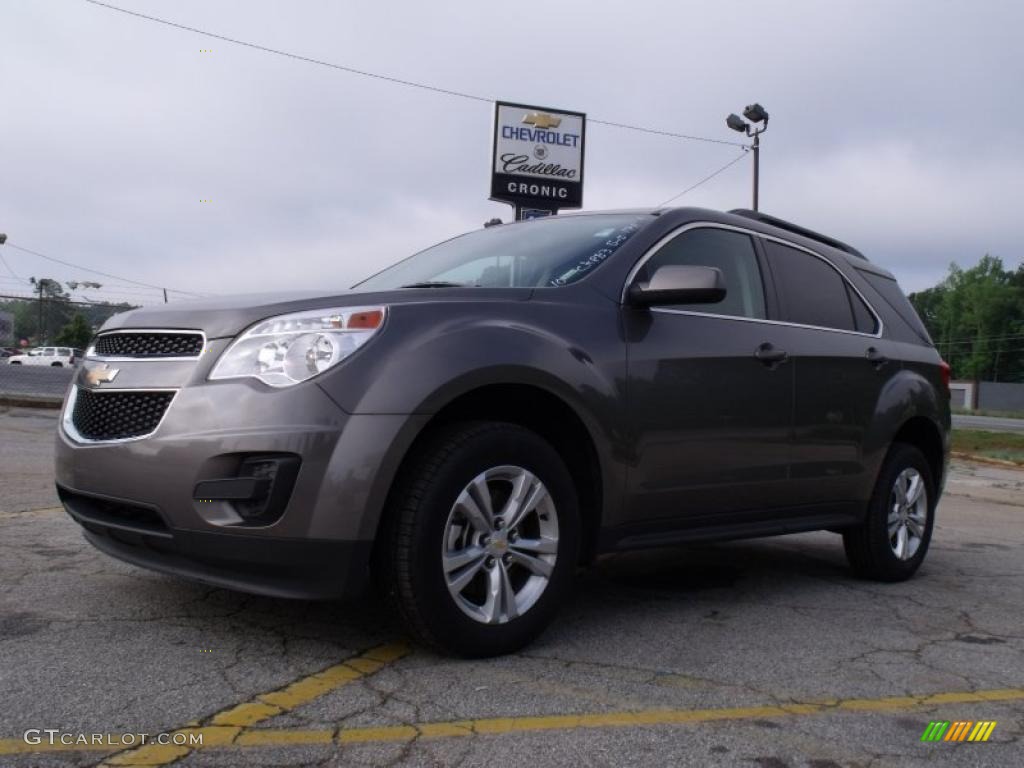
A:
(542, 120)
(537, 161)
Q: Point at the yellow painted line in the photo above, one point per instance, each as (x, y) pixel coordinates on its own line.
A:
(226, 726)
(647, 717)
(258, 737)
(238, 736)
(25, 512)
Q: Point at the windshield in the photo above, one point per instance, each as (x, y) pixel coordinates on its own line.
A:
(553, 251)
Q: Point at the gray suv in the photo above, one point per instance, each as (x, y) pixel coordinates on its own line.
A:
(467, 427)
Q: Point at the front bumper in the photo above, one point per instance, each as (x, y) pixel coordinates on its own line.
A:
(135, 499)
(294, 568)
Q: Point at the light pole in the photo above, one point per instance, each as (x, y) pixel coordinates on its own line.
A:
(755, 113)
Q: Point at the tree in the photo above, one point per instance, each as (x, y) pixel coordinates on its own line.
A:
(976, 317)
(76, 333)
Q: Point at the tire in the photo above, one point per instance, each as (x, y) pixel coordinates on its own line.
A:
(870, 549)
(430, 530)
(56, 365)
(16, 362)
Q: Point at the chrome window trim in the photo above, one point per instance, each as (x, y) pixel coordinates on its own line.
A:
(122, 359)
(753, 233)
(69, 408)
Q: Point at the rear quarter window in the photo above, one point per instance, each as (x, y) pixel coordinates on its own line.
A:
(890, 291)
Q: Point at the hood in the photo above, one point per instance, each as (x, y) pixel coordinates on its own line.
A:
(229, 315)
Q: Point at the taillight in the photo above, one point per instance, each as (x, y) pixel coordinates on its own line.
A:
(947, 374)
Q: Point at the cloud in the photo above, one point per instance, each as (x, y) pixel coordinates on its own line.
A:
(893, 127)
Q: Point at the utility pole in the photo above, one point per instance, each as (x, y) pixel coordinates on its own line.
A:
(41, 284)
(755, 113)
(39, 327)
(165, 295)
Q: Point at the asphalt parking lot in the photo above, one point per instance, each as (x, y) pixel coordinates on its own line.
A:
(759, 653)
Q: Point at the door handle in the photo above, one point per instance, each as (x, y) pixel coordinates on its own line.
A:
(771, 356)
(876, 358)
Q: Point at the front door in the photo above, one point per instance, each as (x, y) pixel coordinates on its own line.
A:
(709, 392)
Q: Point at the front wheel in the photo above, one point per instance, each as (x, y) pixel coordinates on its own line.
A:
(483, 539)
(56, 365)
(15, 362)
(892, 542)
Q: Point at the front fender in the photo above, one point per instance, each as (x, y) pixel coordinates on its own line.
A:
(425, 360)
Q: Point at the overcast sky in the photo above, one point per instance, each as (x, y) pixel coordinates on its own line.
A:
(895, 126)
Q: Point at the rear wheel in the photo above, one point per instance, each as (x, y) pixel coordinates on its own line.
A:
(483, 539)
(56, 365)
(15, 362)
(893, 540)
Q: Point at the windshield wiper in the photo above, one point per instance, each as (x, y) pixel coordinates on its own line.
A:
(433, 284)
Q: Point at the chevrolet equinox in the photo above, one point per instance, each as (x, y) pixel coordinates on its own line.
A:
(466, 427)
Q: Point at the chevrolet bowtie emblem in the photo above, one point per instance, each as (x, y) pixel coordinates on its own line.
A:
(542, 120)
(94, 376)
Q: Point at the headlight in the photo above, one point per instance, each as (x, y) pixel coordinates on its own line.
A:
(284, 350)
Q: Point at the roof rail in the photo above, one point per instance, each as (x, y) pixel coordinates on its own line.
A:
(796, 229)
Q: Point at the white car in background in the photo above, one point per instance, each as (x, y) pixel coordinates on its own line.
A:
(55, 357)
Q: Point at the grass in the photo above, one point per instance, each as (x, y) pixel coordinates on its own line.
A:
(985, 412)
(1008, 446)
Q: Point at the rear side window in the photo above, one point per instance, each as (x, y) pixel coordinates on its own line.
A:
(732, 253)
(812, 292)
(889, 290)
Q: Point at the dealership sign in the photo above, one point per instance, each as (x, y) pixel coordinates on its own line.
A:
(538, 157)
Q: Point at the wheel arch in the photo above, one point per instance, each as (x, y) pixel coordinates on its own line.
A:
(924, 434)
(530, 404)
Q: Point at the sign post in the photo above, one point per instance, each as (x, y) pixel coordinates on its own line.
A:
(537, 158)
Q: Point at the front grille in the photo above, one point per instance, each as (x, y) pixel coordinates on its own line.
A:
(118, 415)
(155, 344)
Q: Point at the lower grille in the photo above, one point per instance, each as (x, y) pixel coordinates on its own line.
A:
(116, 415)
(114, 513)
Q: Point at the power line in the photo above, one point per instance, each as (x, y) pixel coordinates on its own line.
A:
(97, 272)
(8, 267)
(705, 179)
(389, 78)
(981, 339)
(19, 297)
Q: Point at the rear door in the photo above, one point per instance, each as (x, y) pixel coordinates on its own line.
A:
(709, 397)
(840, 365)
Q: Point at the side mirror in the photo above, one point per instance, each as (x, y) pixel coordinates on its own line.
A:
(679, 284)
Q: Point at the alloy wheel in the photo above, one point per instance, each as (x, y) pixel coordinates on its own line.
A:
(500, 544)
(908, 513)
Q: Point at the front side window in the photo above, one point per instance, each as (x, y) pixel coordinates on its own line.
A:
(811, 290)
(730, 252)
(548, 252)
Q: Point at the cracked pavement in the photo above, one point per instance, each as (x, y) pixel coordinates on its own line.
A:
(89, 644)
